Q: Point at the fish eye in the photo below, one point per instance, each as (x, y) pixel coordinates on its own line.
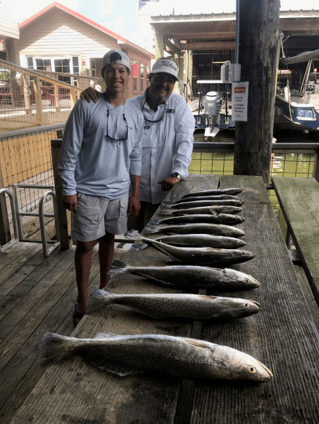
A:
(252, 370)
(247, 304)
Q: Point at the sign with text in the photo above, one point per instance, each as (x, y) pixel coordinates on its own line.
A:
(239, 101)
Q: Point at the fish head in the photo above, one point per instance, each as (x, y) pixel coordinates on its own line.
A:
(236, 365)
(244, 279)
(243, 307)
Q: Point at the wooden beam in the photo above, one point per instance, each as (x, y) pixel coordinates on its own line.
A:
(258, 56)
(159, 46)
(302, 57)
(170, 47)
(209, 45)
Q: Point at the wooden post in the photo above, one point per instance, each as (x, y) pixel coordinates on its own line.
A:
(38, 100)
(64, 216)
(56, 97)
(72, 97)
(5, 236)
(26, 92)
(159, 46)
(258, 40)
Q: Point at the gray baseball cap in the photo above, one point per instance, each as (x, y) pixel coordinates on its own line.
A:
(115, 56)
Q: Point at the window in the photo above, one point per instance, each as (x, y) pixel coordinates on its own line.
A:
(93, 68)
(30, 62)
(43, 64)
(63, 65)
(142, 77)
(75, 64)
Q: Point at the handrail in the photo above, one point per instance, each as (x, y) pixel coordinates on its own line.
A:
(14, 219)
(47, 252)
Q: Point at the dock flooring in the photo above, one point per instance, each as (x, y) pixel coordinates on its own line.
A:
(37, 294)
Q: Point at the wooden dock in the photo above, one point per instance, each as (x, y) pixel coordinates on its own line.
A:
(38, 296)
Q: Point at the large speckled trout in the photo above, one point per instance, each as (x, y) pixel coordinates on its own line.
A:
(176, 356)
(190, 276)
(176, 305)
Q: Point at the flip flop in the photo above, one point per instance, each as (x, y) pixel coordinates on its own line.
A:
(76, 315)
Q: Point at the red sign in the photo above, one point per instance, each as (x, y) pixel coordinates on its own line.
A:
(239, 89)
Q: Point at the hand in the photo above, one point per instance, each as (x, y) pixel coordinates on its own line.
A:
(168, 183)
(134, 206)
(90, 94)
(70, 202)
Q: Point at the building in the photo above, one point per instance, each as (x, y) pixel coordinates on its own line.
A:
(58, 39)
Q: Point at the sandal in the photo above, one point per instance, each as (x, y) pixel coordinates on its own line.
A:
(76, 315)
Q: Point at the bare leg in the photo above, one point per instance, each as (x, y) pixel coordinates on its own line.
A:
(83, 260)
(106, 253)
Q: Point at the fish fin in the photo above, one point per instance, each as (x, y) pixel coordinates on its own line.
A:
(105, 335)
(98, 299)
(197, 343)
(54, 347)
(118, 369)
(213, 212)
(118, 267)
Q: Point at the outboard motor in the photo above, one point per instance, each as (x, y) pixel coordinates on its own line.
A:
(212, 104)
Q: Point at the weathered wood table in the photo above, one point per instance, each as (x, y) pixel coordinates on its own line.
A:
(299, 201)
(283, 336)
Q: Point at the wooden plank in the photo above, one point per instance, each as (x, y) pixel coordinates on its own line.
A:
(299, 201)
(282, 335)
(23, 371)
(74, 391)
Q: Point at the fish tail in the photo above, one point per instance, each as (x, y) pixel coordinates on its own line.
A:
(149, 229)
(98, 299)
(54, 347)
(165, 212)
(166, 205)
(153, 222)
(118, 267)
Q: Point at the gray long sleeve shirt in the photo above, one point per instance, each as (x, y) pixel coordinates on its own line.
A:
(92, 163)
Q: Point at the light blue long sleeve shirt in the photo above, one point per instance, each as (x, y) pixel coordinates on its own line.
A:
(167, 145)
(90, 162)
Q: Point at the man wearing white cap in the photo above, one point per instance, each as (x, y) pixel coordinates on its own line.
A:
(100, 157)
(167, 138)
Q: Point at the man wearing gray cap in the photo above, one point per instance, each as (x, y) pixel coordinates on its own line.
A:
(100, 157)
(167, 138)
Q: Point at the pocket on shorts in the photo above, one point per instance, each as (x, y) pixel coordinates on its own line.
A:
(86, 220)
(123, 207)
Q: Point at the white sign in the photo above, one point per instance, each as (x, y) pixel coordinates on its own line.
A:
(239, 101)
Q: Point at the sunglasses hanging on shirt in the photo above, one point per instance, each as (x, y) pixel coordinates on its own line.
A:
(107, 130)
(158, 120)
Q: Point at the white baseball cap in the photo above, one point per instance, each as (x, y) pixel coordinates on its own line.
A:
(166, 65)
(115, 56)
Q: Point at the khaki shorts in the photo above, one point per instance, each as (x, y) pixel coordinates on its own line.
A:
(94, 217)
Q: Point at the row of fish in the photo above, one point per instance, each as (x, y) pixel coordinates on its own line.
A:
(198, 241)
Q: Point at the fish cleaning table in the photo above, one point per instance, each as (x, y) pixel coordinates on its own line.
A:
(283, 336)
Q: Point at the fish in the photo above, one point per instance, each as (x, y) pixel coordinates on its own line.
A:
(179, 357)
(202, 255)
(176, 305)
(217, 229)
(190, 276)
(199, 203)
(222, 218)
(214, 192)
(201, 210)
(216, 198)
(204, 240)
